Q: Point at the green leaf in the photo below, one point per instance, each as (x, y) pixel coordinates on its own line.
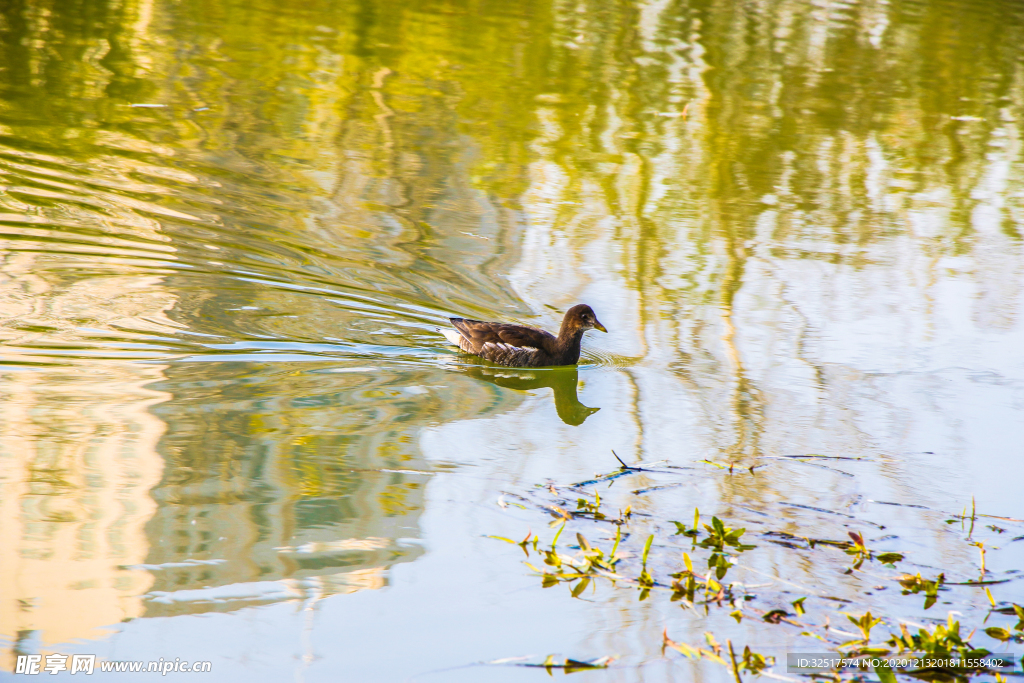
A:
(554, 542)
(580, 587)
(885, 674)
(572, 665)
(714, 657)
(683, 648)
(998, 633)
(502, 538)
(798, 605)
(647, 548)
(890, 558)
(753, 661)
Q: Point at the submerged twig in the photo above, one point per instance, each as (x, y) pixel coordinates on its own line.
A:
(624, 465)
(735, 666)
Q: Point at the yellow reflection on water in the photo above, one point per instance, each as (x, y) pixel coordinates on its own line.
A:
(78, 446)
(77, 461)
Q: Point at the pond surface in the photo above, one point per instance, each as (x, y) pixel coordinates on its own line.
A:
(229, 430)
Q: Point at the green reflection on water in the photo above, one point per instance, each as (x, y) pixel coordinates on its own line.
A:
(563, 382)
(325, 180)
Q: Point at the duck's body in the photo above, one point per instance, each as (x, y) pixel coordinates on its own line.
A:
(520, 346)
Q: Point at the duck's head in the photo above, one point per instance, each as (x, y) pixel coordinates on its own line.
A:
(582, 317)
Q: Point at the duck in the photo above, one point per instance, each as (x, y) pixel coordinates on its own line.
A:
(521, 346)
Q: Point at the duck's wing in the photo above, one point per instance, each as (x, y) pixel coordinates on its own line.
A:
(515, 345)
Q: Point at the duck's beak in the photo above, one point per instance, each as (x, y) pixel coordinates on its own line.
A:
(599, 326)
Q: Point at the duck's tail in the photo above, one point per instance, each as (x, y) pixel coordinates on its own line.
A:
(451, 335)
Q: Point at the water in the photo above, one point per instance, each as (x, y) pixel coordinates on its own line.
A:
(230, 432)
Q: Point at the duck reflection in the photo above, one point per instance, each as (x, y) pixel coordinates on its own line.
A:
(562, 381)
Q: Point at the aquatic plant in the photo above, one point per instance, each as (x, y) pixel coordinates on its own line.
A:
(651, 568)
